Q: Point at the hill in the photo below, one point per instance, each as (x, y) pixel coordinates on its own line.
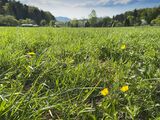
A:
(63, 19)
(21, 12)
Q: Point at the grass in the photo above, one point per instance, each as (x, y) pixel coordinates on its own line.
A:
(48, 73)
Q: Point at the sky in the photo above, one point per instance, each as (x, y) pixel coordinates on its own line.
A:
(82, 8)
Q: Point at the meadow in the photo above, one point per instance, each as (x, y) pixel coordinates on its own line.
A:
(80, 73)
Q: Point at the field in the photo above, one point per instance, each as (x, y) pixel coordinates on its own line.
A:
(80, 74)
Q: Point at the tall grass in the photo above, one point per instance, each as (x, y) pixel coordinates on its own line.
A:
(48, 73)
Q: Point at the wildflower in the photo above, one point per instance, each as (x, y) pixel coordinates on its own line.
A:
(105, 92)
(124, 88)
(123, 46)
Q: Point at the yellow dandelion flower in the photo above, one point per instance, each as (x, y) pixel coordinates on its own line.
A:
(123, 46)
(31, 53)
(105, 92)
(124, 88)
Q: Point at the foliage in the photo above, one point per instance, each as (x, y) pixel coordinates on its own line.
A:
(43, 23)
(140, 17)
(133, 18)
(93, 18)
(52, 23)
(74, 23)
(156, 21)
(8, 21)
(26, 21)
(82, 74)
(20, 11)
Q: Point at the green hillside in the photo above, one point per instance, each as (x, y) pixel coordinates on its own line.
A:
(13, 13)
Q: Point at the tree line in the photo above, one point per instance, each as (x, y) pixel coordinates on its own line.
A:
(13, 13)
(146, 16)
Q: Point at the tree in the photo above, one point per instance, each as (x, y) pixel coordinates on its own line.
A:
(87, 24)
(119, 18)
(74, 23)
(43, 23)
(156, 21)
(93, 18)
(135, 14)
(127, 22)
(8, 21)
(1, 8)
(106, 21)
(52, 23)
(131, 20)
(68, 24)
(26, 21)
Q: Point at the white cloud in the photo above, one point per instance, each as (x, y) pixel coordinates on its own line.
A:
(86, 3)
(103, 2)
(81, 8)
(75, 3)
(121, 1)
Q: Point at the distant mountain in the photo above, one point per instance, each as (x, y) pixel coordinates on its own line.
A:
(63, 19)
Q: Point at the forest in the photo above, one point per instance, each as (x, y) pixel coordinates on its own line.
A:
(13, 13)
(137, 17)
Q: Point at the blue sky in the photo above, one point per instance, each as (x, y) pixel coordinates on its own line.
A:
(81, 8)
